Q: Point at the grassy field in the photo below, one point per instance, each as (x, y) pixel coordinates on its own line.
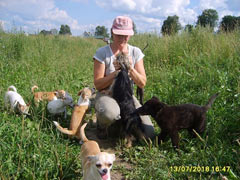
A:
(187, 68)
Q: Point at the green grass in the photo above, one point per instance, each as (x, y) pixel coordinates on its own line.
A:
(180, 69)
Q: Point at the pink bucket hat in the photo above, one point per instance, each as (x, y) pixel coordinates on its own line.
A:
(122, 25)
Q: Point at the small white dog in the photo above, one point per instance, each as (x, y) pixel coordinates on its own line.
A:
(15, 101)
(96, 164)
(58, 106)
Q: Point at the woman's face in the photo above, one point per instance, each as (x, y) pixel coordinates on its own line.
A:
(120, 39)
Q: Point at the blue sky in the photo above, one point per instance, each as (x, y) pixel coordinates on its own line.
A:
(32, 16)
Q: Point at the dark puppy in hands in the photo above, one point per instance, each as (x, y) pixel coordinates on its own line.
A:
(171, 119)
(122, 92)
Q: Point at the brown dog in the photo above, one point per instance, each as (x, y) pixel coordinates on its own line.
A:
(78, 114)
(171, 119)
(96, 164)
(49, 96)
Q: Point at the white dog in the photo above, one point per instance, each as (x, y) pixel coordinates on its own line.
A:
(58, 106)
(96, 164)
(15, 101)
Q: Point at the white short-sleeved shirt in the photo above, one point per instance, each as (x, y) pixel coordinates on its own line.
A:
(105, 55)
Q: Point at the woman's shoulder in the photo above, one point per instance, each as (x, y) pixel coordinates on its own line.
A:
(134, 49)
(102, 53)
(131, 47)
(103, 48)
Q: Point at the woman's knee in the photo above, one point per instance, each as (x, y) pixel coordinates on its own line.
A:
(107, 110)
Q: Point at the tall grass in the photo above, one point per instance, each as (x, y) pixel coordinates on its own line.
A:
(184, 68)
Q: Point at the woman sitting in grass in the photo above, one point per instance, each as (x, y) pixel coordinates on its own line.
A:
(106, 69)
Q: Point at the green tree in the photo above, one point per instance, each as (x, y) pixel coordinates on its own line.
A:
(86, 34)
(188, 28)
(229, 23)
(171, 25)
(54, 31)
(209, 17)
(65, 29)
(45, 32)
(101, 31)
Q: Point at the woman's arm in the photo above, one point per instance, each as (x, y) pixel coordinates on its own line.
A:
(138, 74)
(100, 81)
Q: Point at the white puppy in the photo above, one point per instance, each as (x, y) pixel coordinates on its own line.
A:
(96, 164)
(58, 106)
(15, 101)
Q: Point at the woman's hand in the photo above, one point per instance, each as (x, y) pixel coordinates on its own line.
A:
(116, 65)
(130, 63)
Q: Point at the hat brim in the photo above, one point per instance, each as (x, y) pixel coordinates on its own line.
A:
(123, 32)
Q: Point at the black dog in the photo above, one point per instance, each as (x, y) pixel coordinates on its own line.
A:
(122, 92)
(171, 119)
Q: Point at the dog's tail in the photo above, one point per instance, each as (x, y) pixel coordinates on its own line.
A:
(82, 133)
(210, 102)
(12, 88)
(33, 88)
(64, 130)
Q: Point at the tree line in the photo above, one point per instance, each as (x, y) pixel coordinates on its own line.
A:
(64, 30)
(171, 25)
(208, 18)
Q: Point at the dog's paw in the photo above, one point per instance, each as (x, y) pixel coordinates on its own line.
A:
(128, 141)
(128, 144)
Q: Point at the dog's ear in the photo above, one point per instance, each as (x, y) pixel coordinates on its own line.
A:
(61, 93)
(20, 107)
(18, 104)
(113, 157)
(91, 158)
(93, 90)
(155, 97)
(80, 92)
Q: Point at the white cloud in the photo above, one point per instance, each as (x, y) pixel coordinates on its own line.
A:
(187, 16)
(159, 8)
(147, 24)
(151, 12)
(223, 7)
(127, 4)
(30, 8)
(224, 13)
(148, 15)
(210, 4)
(55, 15)
(154, 12)
(38, 15)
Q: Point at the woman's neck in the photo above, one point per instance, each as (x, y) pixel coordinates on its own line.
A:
(118, 48)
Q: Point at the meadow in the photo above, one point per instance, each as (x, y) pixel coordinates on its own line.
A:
(185, 68)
